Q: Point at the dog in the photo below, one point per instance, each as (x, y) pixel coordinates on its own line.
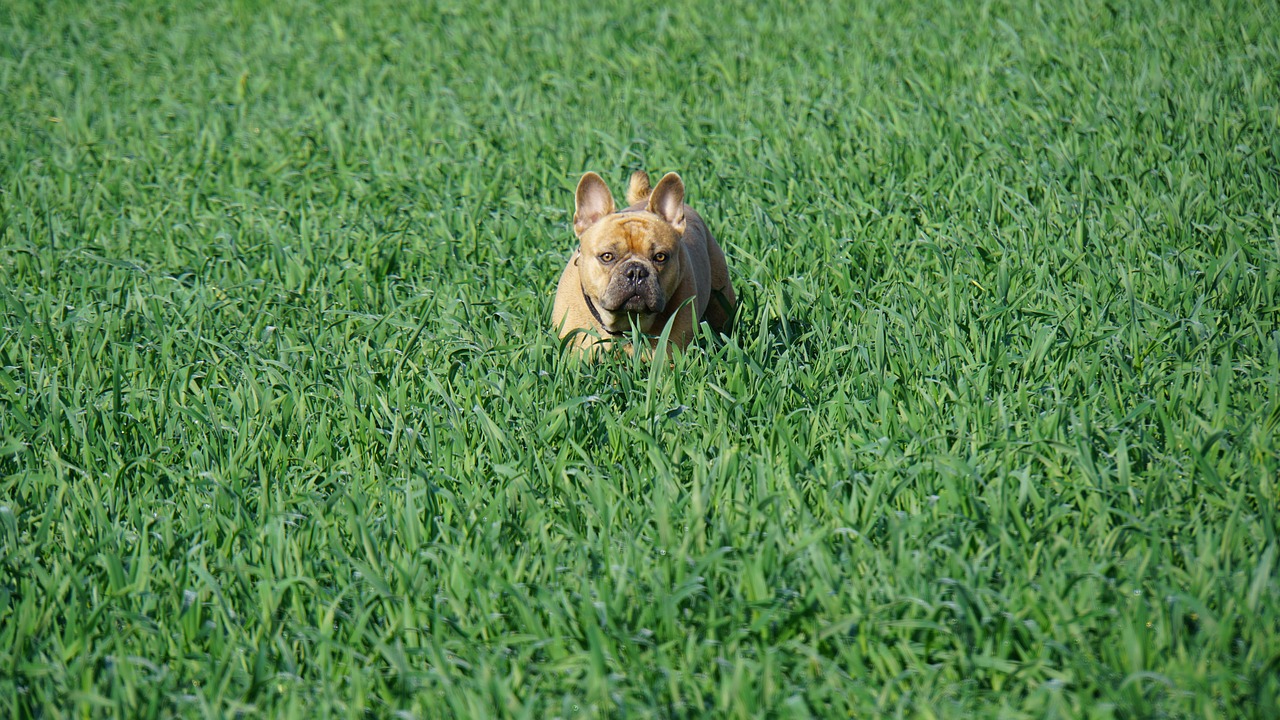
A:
(640, 267)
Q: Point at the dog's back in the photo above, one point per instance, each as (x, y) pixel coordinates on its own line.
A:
(716, 299)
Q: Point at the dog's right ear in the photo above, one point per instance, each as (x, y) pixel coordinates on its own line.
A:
(592, 202)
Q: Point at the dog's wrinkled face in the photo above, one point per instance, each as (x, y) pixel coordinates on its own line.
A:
(630, 263)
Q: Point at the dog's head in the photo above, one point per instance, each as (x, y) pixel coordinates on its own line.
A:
(630, 262)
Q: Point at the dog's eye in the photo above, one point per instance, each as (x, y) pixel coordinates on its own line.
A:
(606, 257)
(660, 257)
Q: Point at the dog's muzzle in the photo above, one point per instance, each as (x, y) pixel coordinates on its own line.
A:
(634, 289)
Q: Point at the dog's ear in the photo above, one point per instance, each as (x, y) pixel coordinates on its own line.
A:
(667, 201)
(592, 202)
(638, 188)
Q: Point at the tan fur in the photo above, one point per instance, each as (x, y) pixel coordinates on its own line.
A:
(638, 189)
(640, 267)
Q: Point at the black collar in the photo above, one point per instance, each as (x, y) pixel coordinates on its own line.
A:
(596, 314)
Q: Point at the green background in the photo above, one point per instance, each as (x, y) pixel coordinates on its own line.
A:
(284, 430)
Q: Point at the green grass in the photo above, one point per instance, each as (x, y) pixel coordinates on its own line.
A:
(285, 431)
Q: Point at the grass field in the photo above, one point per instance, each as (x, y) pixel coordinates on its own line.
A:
(284, 431)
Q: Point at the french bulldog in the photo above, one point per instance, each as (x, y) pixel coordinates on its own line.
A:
(639, 267)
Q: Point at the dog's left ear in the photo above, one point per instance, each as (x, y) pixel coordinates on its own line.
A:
(667, 201)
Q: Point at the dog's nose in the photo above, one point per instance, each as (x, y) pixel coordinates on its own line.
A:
(635, 272)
